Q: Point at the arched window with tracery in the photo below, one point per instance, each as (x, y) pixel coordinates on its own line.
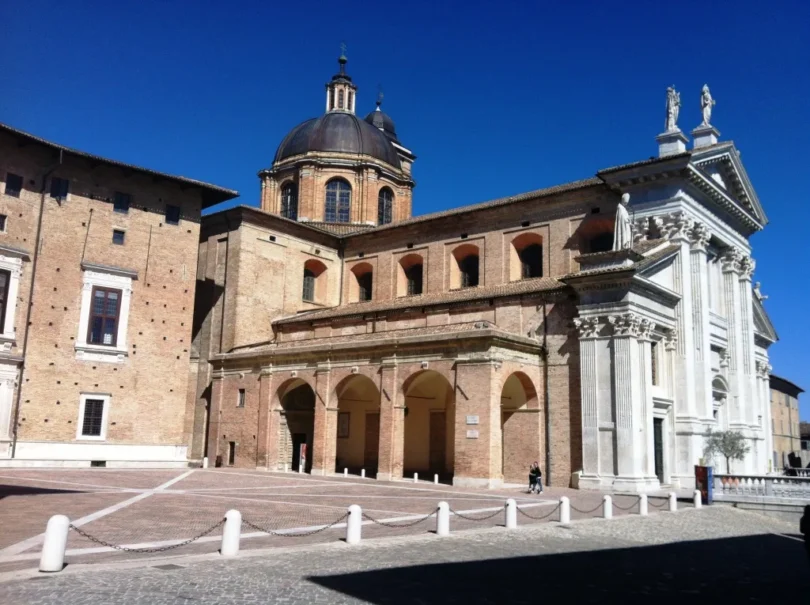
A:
(289, 201)
(338, 201)
(385, 206)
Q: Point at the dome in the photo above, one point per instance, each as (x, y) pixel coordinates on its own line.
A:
(381, 120)
(340, 132)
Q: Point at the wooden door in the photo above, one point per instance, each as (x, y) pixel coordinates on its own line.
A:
(438, 441)
(371, 448)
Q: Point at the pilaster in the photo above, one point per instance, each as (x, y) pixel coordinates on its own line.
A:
(588, 328)
(392, 423)
(214, 417)
(324, 441)
(731, 270)
(699, 237)
(267, 435)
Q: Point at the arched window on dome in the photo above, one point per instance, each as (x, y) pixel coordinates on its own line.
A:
(338, 201)
(331, 99)
(351, 101)
(340, 99)
(289, 201)
(385, 205)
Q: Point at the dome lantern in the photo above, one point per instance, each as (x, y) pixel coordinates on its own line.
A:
(341, 93)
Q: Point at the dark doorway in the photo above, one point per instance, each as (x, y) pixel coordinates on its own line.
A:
(299, 439)
(658, 440)
(371, 451)
(438, 437)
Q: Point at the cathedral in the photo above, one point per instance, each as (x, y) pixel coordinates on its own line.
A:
(335, 330)
(599, 327)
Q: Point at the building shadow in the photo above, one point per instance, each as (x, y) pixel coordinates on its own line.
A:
(27, 490)
(764, 568)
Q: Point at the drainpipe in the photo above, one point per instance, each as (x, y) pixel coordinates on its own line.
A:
(26, 333)
(544, 355)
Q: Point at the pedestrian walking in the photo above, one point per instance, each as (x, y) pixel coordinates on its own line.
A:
(535, 478)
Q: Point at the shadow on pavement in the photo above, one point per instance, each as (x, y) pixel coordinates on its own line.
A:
(765, 568)
(27, 490)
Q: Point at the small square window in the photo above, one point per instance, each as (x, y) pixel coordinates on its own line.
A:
(240, 398)
(59, 188)
(92, 420)
(14, 183)
(3, 218)
(172, 214)
(118, 237)
(121, 202)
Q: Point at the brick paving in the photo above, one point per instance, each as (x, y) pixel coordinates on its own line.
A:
(272, 501)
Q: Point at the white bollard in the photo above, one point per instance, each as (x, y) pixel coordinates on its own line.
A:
(511, 514)
(416, 477)
(565, 510)
(345, 472)
(354, 525)
(698, 499)
(436, 479)
(205, 462)
(443, 519)
(300, 468)
(286, 468)
(642, 505)
(53, 549)
(362, 473)
(673, 502)
(607, 507)
(231, 534)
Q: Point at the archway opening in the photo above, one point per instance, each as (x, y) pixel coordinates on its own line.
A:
(520, 428)
(430, 411)
(296, 426)
(358, 425)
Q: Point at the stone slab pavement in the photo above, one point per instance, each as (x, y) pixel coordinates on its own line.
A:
(712, 555)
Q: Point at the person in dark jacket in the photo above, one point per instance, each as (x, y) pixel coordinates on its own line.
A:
(535, 478)
(804, 527)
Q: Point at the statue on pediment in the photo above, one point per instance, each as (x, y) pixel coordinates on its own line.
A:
(623, 229)
(673, 109)
(706, 104)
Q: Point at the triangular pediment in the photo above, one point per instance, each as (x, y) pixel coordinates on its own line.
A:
(722, 164)
(763, 326)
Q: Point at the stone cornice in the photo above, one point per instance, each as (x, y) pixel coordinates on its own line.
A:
(721, 198)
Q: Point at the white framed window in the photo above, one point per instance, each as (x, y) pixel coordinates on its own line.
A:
(10, 271)
(104, 313)
(94, 410)
(240, 398)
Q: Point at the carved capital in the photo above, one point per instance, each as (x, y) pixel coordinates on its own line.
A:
(676, 227)
(588, 326)
(647, 228)
(645, 328)
(730, 260)
(747, 266)
(724, 358)
(626, 324)
(670, 340)
(699, 237)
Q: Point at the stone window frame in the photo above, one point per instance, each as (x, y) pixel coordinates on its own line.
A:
(97, 276)
(105, 416)
(288, 203)
(14, 192)
(406, 264)
(241, 398)
(339, 200)
(13, 265)
(385, 205)
(123, 237)
(460, 253)
(319, 276)
(359, 272)
(519, 243)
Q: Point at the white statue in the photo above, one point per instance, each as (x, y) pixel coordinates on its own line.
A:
(758, 292)
(673, 109)
(706, 104)
(623, 230)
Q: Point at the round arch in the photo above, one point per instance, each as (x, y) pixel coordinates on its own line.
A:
(430, 410)
(338, 203)
(520, 427)
(358, 424)
(295, 404)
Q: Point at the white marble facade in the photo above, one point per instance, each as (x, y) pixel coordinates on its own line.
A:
(675, 342)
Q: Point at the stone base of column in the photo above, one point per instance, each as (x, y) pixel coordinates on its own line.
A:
(319, 471)
(388, 477)
(480, 482)
(685, 481)
(638, 485)
(596, 482)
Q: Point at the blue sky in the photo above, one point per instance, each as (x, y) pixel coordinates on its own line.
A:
(494, 98)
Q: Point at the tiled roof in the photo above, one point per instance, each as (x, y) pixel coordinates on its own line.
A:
(338, 228)
(653, 160)
(636, 267)
(525, 286)
(213, 194)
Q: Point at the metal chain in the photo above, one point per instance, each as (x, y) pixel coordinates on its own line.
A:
(81, 532)
(546, 516)
(662, 505)
(286, 534)
(400, 525)
(587, 512)
(458, 514)
(632, 506)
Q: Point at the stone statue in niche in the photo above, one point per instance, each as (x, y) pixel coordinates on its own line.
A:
(623, 230)
(673, 109)
(706, 104)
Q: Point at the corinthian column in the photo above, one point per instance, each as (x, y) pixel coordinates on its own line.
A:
(699, 237)
(747, 380)
(734, 315)
(588, 328)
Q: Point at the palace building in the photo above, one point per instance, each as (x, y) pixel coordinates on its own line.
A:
(333, 330)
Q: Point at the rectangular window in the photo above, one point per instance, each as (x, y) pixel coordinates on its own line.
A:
(5, 277)
(364, 284)
(3, 218)
(172, 215)
(93, 418)
(14, 183)
(231, 452)
(240, 398)
(309, 286)
(118, 237)
(105, 306)
(59, 188)
(121, 202)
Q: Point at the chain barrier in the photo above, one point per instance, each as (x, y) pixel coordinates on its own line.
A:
(395, 525)
(286, 534)
(631, 507)
(587, 512)
(540, 518)
(662, 505)
(462, 516)
(92, 538)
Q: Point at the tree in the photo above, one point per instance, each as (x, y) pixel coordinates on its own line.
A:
(729, 444)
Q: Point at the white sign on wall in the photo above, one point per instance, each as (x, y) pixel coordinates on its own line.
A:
(472, 419)
(472, 434)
